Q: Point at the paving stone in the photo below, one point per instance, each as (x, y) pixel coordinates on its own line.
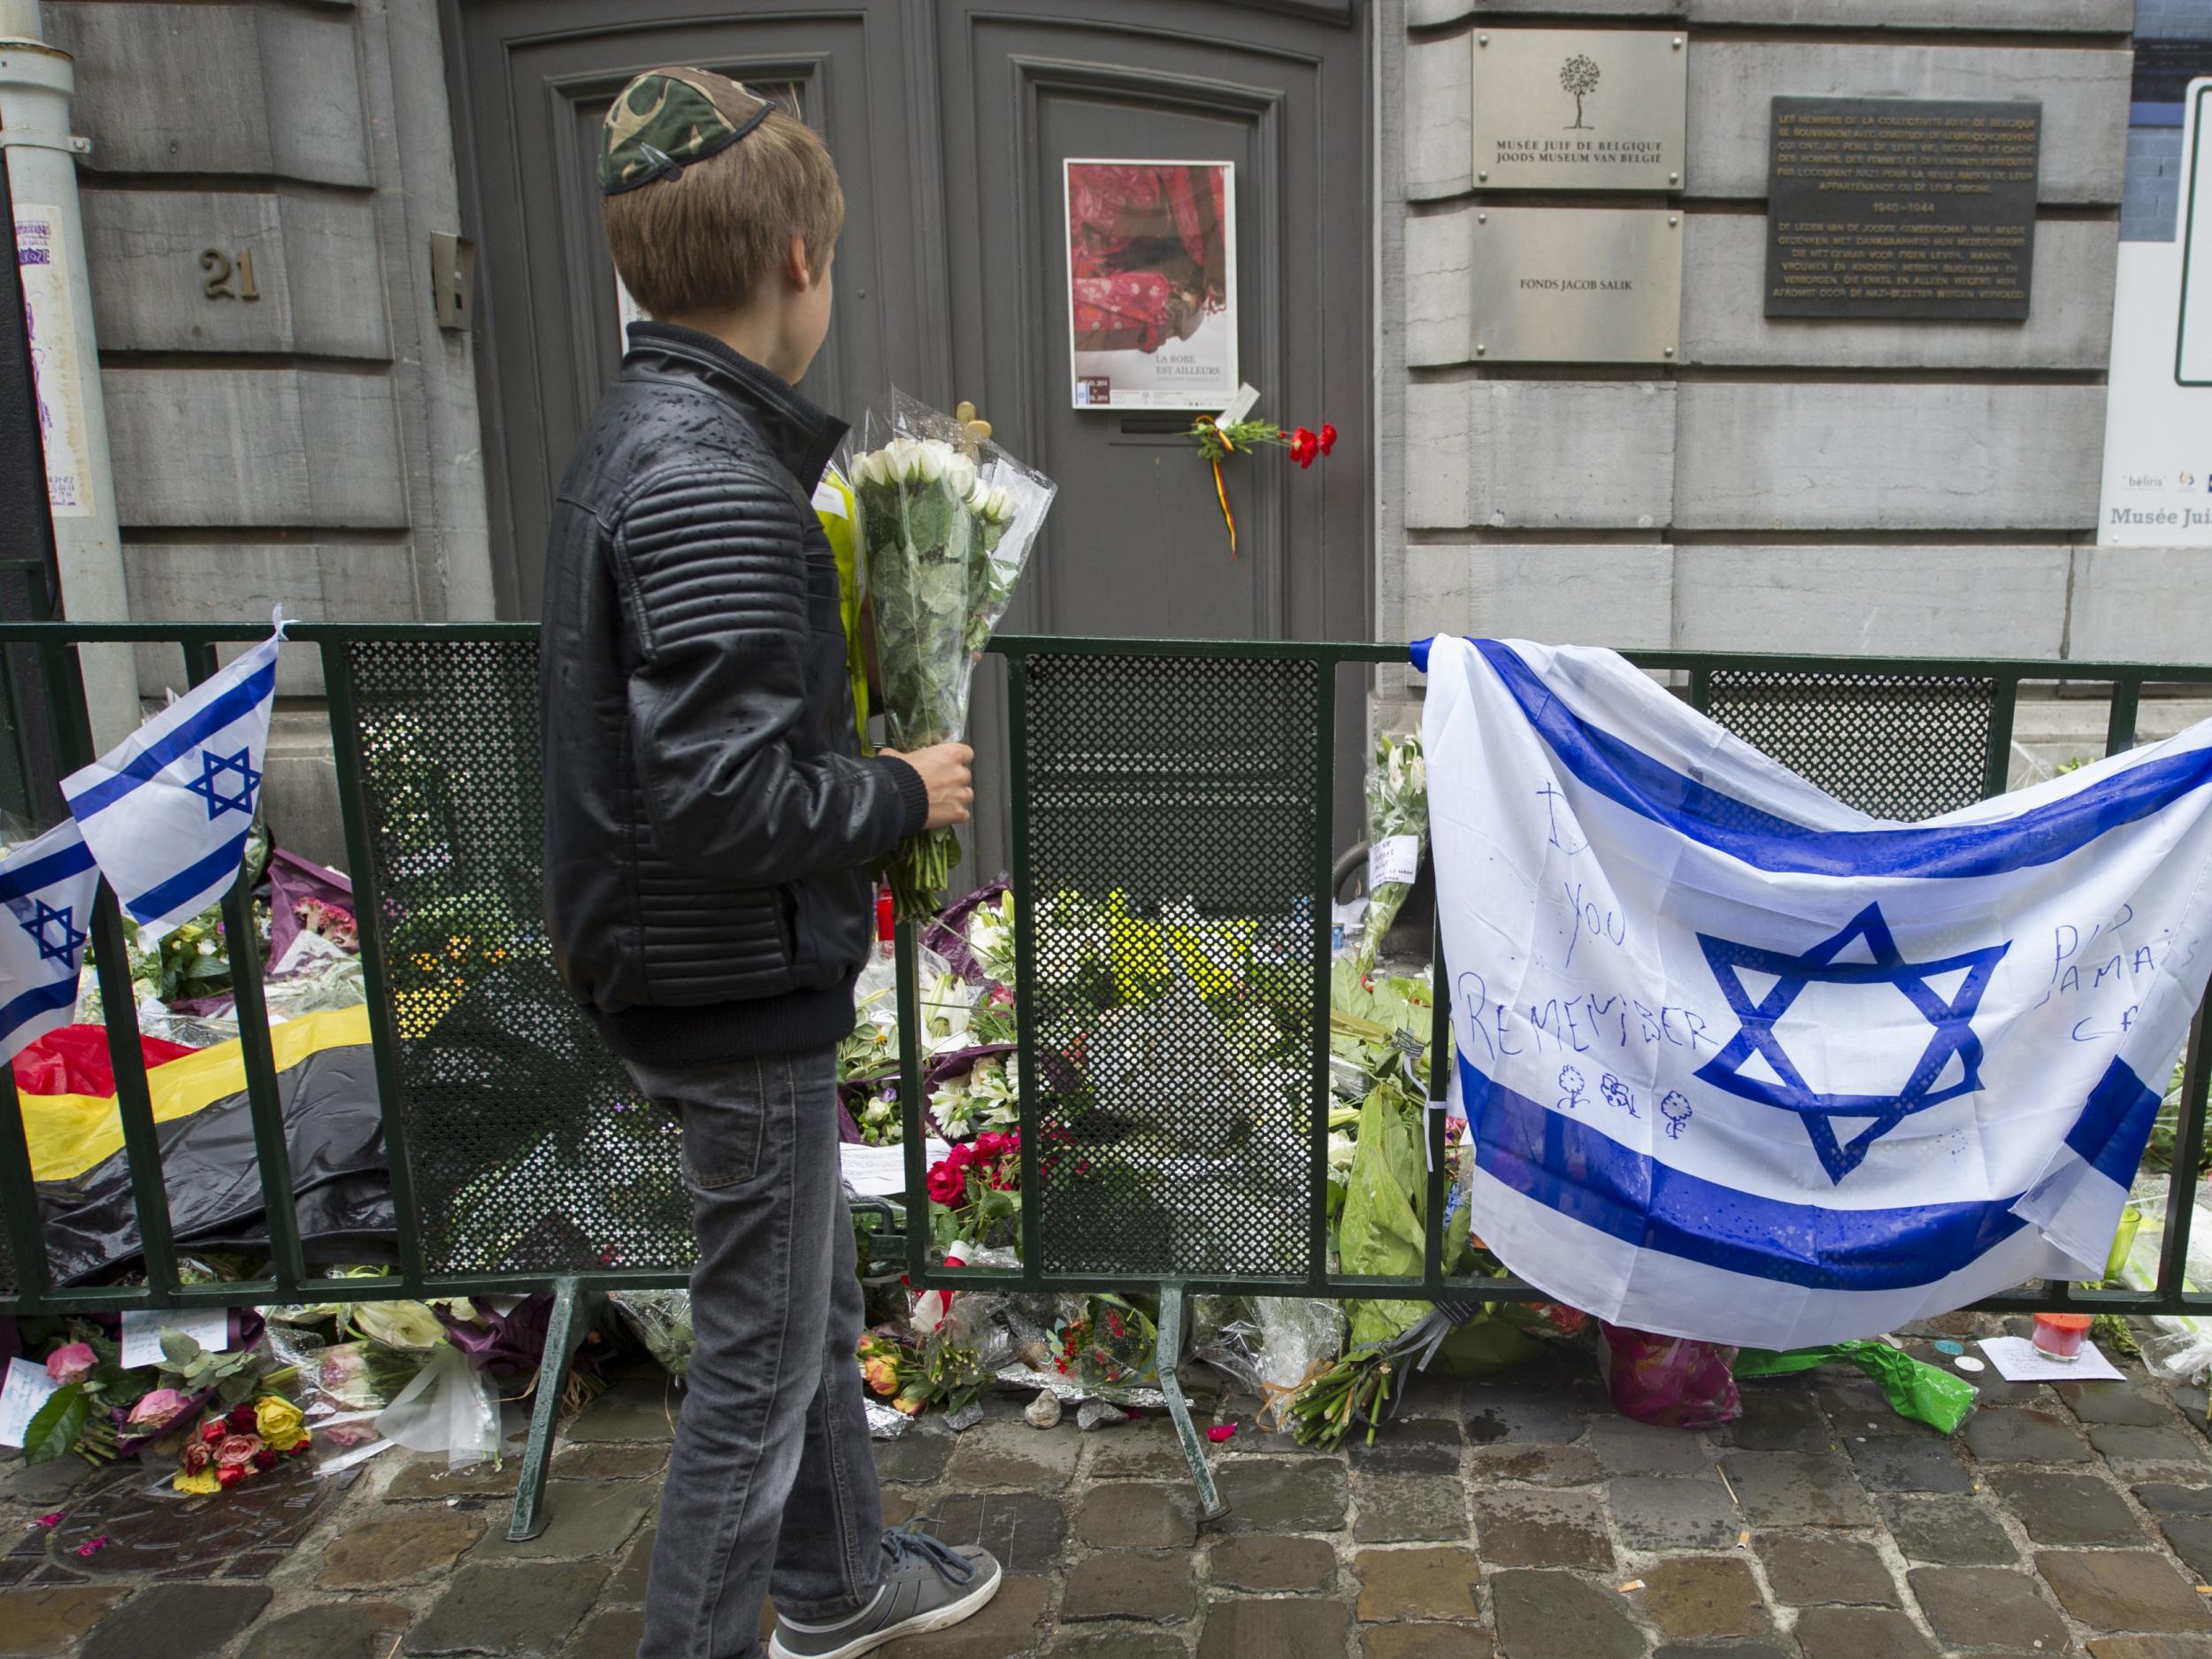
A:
(49, 1620)
(2190, 1537)
(177, 1621)
(1860, 1632)
(1418, 1446)
(643, 1406)
(1009, 1625)
(1296, 1627)
(917, 1456)
(1954, 1532)
(1009, 1452)
(1925, 1462)
(1424, 1641)
(1137, 1517)
(1798, 1489)
(1542, 1529)
(1694, 1597)
(1557, 1616)
(2067, 1509)
(399, 1548)
(1257, 1561)
(1986, 1607)
(628, 1583)
(43, 1484)
(2166, 1498)
(1436, 1583)
(527, 1608)
(2134, 1443)
(610, 1460)
(2150, 1647)
(613, 1634)
(1778, 1418)
(1144, 1446)
(1024, 1530)
(1662, 1512)
(1809, 1569)
(2114, 1589)
(1524, 1414)
(583, 1518)
(1624, 1446)
(1121, 1644)
(2131, 1401)
(334, 1630)
(1269, 1496)
(1431, 1394)
(900, 1506)
(1152, 1586)
(1854, 1404)
(2012, 1434)
(1407, 1509)
(1722, 1650)
(424, 1478)
(1539, 1465)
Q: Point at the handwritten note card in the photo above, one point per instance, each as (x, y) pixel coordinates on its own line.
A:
(209, 1327)
(26, 1389)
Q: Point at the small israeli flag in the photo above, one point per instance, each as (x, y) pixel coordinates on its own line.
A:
(167, 811)
(46, 888)
(1742, 1063)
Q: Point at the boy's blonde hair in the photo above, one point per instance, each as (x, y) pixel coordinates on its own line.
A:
(705, 233)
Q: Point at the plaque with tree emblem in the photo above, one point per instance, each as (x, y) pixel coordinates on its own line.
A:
(1579, 109)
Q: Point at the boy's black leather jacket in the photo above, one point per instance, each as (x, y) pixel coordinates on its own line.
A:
(710, 822)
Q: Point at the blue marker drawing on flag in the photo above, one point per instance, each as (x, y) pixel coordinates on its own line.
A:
(1867, 1103)
(166, 812)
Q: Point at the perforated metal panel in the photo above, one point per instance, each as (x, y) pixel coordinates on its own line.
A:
(528, 1148)
(1899, 746)
(1169, 827)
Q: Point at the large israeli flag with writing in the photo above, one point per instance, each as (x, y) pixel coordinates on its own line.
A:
(1742, 1063)
(46, 892)
(165, 812)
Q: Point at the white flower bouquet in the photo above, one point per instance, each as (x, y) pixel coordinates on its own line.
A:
(946, 519)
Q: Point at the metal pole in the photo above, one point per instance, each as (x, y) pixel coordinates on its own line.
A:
(36, 83)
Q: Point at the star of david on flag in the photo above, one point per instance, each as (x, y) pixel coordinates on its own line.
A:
(1742, 1063)
(166, 812)
(45, 886)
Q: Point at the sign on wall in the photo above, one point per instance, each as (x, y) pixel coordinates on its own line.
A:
(52, 326)
(1579, 109)
(2158, 421)
(1902, 209)
(1576, 284)
(1152, 283)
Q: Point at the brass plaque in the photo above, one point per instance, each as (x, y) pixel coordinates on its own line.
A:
(1579, 109)
(1576, 284)
(1902, 208)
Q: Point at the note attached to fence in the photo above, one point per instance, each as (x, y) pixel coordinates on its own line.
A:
(209, 1327)
(27, 1388)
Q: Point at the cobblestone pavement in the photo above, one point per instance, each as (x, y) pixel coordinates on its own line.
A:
(1520, 1517)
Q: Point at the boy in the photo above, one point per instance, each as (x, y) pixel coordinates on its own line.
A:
(710, 823)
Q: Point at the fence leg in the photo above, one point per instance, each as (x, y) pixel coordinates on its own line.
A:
(563, 1334)
(1210, 1507)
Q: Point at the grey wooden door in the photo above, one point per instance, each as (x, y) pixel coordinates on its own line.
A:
(949, 120)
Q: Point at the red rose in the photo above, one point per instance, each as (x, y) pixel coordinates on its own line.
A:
(990, 1144)
(947, 1184)
(1303, 447)
(230, 1475)
(299, 1446)
(213, 1432)
(264, 1459)
(240, 1419)
(1328, 437)
(197, 1457)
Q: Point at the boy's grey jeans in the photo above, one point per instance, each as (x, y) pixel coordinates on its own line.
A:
(772, 1487)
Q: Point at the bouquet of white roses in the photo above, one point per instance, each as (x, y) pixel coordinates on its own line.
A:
(947, 521)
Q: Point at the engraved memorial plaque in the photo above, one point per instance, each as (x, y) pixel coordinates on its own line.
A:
(1577, 285)
(1579, 109)
(1902, 209)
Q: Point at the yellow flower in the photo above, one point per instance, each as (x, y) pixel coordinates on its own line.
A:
(881, 1375)
(278, 1422)
(199, 1485)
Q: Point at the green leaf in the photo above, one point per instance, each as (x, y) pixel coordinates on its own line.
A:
(56, 1426)
(177, 1348)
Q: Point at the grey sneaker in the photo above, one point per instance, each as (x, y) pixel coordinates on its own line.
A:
(928, 1585)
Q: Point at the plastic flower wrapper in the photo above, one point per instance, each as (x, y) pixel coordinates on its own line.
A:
(1106, 1344)
(947, 521)
(1272, 1346)
(451, 1406)
(1397, 827)
(662, 1319)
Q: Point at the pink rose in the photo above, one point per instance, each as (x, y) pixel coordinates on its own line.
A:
(71, 1363)
(156, 1410)
(235, 1451)
(197, 1456)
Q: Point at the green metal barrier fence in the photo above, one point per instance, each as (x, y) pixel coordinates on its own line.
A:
(1189, 775)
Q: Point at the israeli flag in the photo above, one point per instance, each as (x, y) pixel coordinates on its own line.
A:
(167, 811)
(46, 886)
(1742, 1063)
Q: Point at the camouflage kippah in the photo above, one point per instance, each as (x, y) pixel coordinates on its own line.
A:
(667, 119)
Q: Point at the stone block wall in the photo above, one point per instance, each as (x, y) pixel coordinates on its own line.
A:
(316, 445)
(1802, 486)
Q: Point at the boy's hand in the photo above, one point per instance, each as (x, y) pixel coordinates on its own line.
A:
(944, 769)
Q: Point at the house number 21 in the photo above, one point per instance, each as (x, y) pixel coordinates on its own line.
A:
(219, 271)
